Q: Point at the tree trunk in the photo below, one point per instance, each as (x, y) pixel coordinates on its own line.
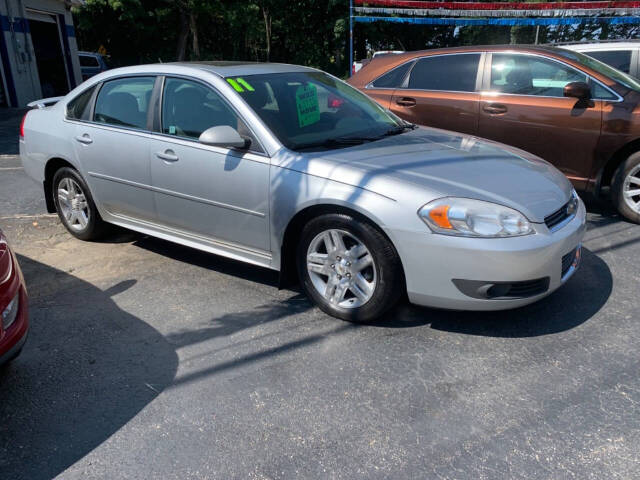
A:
(194, 33)
(267, 31)
(181, 49)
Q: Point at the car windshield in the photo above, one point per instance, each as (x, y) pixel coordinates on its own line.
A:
(312, 110)
(600, 67)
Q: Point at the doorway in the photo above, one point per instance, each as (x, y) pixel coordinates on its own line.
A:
(47, 44)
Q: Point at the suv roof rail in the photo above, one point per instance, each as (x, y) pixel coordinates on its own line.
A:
(581, 42)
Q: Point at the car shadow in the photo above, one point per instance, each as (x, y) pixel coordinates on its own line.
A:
(568, 307)
(87, 369)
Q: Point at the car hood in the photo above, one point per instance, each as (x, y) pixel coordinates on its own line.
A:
(447, 164)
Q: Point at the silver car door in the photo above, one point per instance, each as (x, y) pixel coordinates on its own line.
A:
(212, 192)
(113, 148)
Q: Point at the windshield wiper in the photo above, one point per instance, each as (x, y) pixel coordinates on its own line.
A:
(332, 142)
(400, 129)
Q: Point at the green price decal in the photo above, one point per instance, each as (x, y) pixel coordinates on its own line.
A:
(307, 104)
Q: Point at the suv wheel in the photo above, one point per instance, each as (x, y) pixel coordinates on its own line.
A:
(348, 267)
(75, 207)
(625, 189)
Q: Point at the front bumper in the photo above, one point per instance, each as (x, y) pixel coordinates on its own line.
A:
(13, 338)
(432, 262)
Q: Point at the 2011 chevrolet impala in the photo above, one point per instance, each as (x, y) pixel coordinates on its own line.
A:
(292, 169)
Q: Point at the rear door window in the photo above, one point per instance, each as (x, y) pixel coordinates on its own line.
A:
(124, 102)
(620, 59)
(453, 73)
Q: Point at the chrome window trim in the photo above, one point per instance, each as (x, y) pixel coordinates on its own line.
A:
(415, 60)
(512, 52)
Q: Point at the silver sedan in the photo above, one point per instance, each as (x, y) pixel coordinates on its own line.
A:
(292, 169)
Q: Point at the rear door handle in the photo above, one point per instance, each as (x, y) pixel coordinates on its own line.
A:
(86, 139)
(167, 156)
(495, 108)
(406, 102)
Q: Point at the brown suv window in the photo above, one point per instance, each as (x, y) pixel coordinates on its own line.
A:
(620, 59)
(453, 73)
(394, 78)
(529, 75)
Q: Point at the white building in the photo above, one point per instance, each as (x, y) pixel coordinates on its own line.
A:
(38, 51)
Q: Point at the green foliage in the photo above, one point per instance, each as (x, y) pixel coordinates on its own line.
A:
(307, 32)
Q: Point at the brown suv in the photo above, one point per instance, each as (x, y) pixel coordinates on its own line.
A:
(576, 112)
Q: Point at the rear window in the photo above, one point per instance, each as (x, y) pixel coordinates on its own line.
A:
(620, 59)
(88, 61)
(454, 73)
(78, 108)
(394, 78)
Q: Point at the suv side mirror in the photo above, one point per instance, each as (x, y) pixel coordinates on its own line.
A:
(579, 90)
(223, 136)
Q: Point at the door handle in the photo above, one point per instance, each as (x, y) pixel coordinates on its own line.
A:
(406, 101)
(86, 139)
(167, 156)
(494, 108)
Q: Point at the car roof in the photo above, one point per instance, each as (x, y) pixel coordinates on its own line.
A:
(232, 69)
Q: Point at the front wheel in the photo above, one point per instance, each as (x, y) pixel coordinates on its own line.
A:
(348, 267)
(625, 189)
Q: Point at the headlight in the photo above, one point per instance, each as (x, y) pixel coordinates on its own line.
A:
(10, 313)
(474, 218)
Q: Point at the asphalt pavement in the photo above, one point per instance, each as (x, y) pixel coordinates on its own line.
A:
(148, 360)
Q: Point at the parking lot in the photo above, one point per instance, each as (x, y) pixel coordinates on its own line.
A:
(151, 360)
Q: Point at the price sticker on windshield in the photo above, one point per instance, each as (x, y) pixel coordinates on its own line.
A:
(307, 104)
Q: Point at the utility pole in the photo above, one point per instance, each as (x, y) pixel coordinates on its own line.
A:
(350, 37)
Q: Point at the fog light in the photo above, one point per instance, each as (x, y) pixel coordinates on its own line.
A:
(10, 313)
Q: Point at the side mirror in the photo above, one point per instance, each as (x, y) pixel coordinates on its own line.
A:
(579, 90)
(223, 136)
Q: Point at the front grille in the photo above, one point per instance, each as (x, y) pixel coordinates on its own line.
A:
(558, 216)
(567, 261)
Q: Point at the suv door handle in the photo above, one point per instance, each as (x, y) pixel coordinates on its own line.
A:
(86, 139)
(406, 102)
(167, 156)
(494, 108)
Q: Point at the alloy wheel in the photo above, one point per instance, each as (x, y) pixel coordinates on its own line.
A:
(341, 268)
(73, 204)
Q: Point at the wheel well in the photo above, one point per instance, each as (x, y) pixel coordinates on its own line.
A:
(617, 158)
(288, 270)
(53, 165)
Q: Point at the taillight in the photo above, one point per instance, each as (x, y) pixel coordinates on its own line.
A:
(22, 125)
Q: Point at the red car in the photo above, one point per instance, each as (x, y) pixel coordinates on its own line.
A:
(14, 322)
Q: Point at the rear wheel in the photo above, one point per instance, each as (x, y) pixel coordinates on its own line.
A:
(348, 267)
(75, 206)
(625, 189)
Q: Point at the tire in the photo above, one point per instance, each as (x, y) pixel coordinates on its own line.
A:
(358, 280)
(78, 213)
(626, 179)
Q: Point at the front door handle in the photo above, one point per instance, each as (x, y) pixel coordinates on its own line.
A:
(495, 108)
(406, 102)
(86, 139)
(167, 156)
